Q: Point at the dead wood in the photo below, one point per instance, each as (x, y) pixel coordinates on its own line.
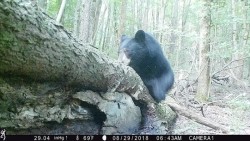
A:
(193, 116)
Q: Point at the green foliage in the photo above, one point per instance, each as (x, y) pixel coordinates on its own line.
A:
(222, 22)
(69, 12)
(187, 30)
(53, 7)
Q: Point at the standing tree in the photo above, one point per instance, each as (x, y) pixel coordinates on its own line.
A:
(204, 61)
(238, 71)
(60, 13)
(88, 20)
(246, 28)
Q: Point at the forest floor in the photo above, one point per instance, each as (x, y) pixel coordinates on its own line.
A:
(229, 106)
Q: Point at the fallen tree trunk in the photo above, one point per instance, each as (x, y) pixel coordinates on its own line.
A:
(34, 46)
(193, 116)
(47, 76)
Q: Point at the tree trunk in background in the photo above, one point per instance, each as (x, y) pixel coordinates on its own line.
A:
(147, 16)
(116, 14)
(246, 28)
(60, 13)
(89, 16)
(121, 22)
(77, 18)
(123, 18)
(162, 20)
(98, 5)
(204, 61)
(138, 12)
(85, 25)
(174, 25)
(106, 28)
(238, 71)
(133, 12)
(185, 11)
(180, 27)
(47, 4)
(104, 20)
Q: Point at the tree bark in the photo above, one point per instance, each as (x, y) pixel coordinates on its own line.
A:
(204, 64)
(89, 16)
(77, 18)
(29, 48)
(123, 17)
(246, 28)
(237, 55)
(174, 26)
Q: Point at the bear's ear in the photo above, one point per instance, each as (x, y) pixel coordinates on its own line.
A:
(123, 38)
(140, 36)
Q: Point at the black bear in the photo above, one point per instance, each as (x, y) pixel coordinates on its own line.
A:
(144, 54)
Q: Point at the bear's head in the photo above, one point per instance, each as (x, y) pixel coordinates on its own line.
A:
(133, 50)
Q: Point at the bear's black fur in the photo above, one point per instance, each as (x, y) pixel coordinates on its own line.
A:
(144, 54)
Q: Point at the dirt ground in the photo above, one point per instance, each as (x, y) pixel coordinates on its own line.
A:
(229, 105)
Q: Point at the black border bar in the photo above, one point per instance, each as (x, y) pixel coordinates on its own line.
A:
(125, 137)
